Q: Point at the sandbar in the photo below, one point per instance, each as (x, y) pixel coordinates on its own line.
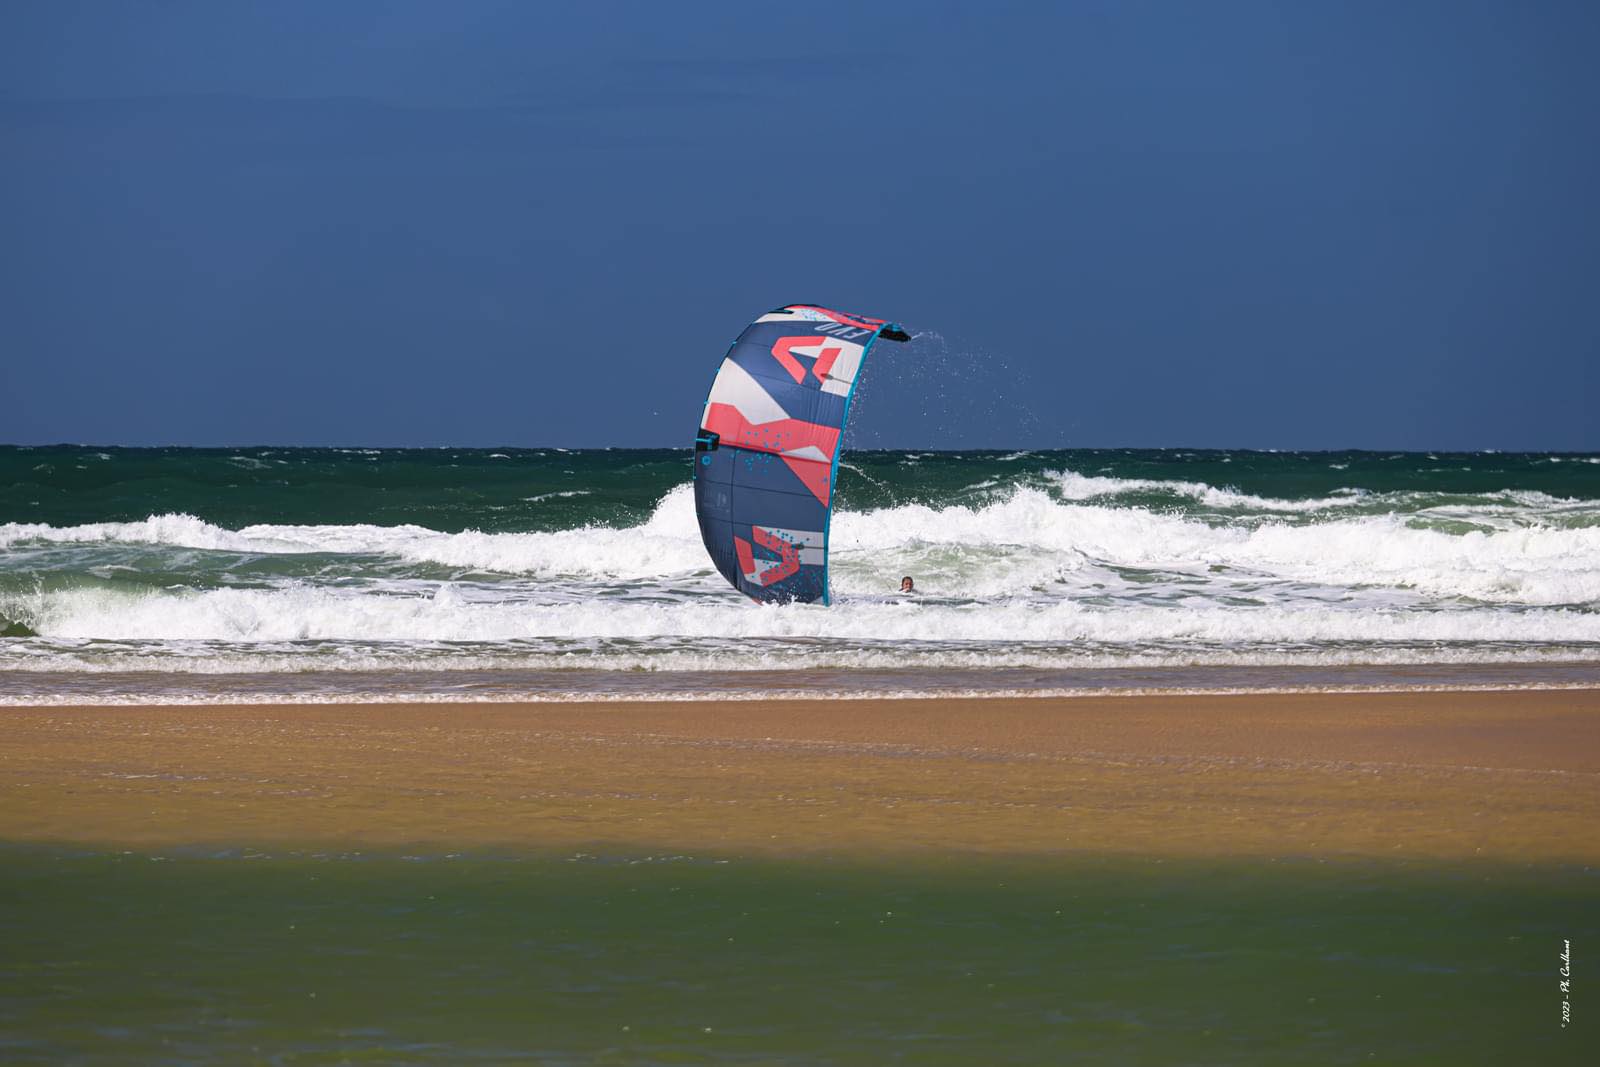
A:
(1502, 775)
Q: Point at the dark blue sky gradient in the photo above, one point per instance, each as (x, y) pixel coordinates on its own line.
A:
(1301, 225)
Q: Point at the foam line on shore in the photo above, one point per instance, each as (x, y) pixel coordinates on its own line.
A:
(80, 700)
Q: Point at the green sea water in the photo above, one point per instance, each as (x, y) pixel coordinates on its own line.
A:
(519, 489)
(238, 957)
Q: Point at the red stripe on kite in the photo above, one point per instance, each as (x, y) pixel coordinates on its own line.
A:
(814, 475)
(778, 436)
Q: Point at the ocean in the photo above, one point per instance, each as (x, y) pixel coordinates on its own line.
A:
(142, 575)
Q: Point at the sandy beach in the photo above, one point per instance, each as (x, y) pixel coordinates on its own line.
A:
(1500, 775)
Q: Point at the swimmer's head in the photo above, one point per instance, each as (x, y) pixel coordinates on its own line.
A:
(906, 585)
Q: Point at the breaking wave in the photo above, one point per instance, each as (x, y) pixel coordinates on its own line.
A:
(1047, 568)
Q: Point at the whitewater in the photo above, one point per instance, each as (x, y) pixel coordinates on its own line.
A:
(1038, 572)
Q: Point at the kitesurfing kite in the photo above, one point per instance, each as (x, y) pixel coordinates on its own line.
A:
(768, 448)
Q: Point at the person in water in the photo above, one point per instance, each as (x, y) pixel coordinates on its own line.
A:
(907, 585)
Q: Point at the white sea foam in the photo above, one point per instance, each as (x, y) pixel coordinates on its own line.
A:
(305, 612)
(668, 543)
(400, 695)
(1071, 485)
(722, 656)
(1025, 542)
(1039, 535)
(558, 495)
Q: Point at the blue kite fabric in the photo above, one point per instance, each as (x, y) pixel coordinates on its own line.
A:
(768, 448)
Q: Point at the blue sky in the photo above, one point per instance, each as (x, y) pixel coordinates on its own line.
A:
(1305, 225)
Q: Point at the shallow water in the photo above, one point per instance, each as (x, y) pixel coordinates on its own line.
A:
(207, 956)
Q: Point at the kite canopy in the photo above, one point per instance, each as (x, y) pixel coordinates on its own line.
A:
(768, 448)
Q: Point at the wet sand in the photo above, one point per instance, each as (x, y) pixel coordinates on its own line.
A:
(1509, 776)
